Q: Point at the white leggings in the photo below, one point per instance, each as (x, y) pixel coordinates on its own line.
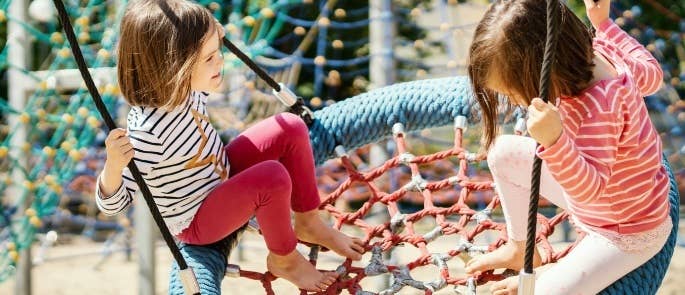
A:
(596, 261)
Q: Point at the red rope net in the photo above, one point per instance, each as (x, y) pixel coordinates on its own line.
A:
(463, 222)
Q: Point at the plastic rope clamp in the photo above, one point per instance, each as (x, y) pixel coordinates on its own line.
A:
(520, 126)
(397, 129)
(526, 283)
(287, 97)
(233, 271)
(460, 123)
(189, 281)
(340, 151)
(253, 225)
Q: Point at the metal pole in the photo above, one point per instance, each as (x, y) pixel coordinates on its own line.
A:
(19, 46)
(381, 35)
(145, 239)
(381, 73)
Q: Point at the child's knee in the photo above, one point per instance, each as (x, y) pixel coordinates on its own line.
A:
(293, 125)
(509, 150)
(499, 152)
(276, 177)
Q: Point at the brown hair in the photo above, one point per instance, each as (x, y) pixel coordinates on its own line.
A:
(160, 42)
(508, 45)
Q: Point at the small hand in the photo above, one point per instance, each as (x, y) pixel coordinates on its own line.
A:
(544, 122)
(508, 286)
(597, 11)
(119, 149)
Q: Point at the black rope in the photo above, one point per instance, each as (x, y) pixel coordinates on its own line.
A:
(252, 65)
(545, 80)
(299, 108)
(83, 68)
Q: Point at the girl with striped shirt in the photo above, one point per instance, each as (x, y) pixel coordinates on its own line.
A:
(602, 157)
(169, 58)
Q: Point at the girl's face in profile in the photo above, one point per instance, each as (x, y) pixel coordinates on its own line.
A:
(207, 71)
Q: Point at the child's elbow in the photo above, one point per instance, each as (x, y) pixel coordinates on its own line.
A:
(653, 81)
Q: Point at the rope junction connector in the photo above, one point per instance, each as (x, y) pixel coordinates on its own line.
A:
(482, 215)
(471, 157)
(470, 287)
(397, 223)
(440, 260)
(433, 234)
(376, 266)
(469, 248)
(232, 271)
(417, 184)
(341, 270)
(406, 158)
(460, 122)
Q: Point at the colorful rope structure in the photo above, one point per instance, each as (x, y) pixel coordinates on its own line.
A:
(430, 103)
(401, 230)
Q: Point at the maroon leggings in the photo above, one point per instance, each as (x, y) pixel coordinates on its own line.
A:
(272, 171)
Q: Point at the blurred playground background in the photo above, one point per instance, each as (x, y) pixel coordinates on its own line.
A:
(53, 240)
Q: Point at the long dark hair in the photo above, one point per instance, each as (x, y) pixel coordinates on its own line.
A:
(508, 45)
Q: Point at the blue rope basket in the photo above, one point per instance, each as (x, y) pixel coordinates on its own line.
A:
(369, 118)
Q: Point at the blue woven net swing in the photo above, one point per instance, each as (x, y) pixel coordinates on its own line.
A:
(368, 118)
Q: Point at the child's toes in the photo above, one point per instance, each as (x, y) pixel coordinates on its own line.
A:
(474, 266)
(358, 245)
(353, 254)
(330, 280)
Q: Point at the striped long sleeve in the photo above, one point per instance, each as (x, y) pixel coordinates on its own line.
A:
(643, 66)
(181, 159)
(608, 157)
(148, 152)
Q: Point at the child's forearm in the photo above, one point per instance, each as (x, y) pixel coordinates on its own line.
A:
(110, 180)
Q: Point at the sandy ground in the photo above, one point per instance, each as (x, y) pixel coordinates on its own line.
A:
(77, 267)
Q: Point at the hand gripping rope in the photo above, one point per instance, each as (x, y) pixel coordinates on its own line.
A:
(287, 97)
(527, 277)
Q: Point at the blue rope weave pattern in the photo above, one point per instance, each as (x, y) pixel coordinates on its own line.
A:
(209, 266)
(369, 117)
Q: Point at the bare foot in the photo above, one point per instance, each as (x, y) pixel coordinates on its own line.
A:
(296, 269)
(311, 229)
(509, 255)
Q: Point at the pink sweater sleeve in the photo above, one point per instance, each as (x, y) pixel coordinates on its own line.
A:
(583, 165)
(643, 66)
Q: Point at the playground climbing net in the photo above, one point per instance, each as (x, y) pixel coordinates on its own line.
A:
(457, 220)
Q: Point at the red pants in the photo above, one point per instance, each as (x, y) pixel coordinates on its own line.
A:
(272, 171)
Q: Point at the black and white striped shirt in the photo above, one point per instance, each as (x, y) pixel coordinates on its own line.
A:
(180, 156)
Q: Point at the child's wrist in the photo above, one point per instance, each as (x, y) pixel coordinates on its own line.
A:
(112, 169)
(600, 25)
